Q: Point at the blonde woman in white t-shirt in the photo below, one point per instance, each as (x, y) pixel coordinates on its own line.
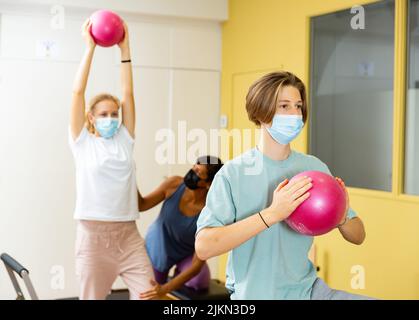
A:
(108, 243)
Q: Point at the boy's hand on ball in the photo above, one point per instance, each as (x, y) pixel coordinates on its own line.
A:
(287, 197)
(342, 184)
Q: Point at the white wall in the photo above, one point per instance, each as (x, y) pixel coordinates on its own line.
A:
(177, 65)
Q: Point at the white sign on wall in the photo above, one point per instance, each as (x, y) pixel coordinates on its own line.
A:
(47, 49)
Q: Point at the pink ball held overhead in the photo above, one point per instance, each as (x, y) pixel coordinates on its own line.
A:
(107, 28)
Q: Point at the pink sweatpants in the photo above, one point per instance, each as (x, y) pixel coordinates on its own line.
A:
(106, 250)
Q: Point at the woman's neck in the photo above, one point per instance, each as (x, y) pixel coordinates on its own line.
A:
(198, 194)
(272, 149)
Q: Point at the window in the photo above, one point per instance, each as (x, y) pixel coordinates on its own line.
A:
(412, 109)
(351, 113)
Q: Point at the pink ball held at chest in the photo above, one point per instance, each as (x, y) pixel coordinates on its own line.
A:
(323, 210)
(107, 28)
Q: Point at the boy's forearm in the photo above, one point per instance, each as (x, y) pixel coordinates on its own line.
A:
(211, 242)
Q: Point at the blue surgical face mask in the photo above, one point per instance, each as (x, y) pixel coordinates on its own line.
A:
(106, 127)
(285, 128)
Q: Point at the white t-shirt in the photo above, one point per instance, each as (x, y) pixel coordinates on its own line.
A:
(105, 177)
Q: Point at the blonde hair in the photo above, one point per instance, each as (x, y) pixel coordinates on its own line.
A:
(262, 98)
(92, 104)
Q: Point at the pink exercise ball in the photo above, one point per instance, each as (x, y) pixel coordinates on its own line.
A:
(323, 210)
(107, 28)
(201, 280)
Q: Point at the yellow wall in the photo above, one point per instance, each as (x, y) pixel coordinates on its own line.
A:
(264, 35)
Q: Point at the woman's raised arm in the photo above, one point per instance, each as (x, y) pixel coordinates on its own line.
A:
(77, 115)
(127, 101)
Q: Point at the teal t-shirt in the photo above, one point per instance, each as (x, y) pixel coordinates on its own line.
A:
(274, 264)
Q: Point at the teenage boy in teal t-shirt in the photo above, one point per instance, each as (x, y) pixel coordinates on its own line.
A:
(251, 196)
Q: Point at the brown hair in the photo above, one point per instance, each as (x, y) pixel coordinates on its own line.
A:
(92, 104)
(263, 96)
